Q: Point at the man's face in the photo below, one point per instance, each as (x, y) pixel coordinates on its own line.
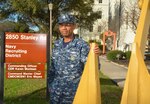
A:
(66, 29)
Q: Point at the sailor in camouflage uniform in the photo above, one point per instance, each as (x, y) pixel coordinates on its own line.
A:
(68, 58)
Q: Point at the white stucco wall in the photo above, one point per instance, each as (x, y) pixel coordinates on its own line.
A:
(104, 7)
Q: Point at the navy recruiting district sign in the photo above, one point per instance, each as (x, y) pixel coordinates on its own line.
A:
(25, 55)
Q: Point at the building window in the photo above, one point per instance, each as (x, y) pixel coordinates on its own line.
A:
(99, 28)
(100, 15)
(91, 28)
(100, 1)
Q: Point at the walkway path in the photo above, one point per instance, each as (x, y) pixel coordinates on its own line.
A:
(114, 71)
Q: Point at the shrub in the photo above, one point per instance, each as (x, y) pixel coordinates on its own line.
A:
(127, 55)
(115, 55)
(100, 45)
(97, 42)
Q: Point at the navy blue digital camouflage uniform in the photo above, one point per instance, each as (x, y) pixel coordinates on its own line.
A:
(66, 69)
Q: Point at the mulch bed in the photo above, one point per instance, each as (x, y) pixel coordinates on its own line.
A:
(126, 62)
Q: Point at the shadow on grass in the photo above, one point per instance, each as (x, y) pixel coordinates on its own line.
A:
(36, 97)
(106, 81)
(110, 92)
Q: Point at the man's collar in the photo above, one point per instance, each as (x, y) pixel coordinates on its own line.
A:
(72, 42)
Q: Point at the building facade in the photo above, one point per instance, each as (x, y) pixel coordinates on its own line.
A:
(100, 24)
(116, 16)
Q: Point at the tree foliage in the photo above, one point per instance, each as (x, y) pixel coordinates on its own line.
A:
(132, 15)
(36, 13)
(20, 27)
(7, 26)
(13, 27)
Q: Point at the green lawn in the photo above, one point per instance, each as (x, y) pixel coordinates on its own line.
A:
(25, 91)
(33, 91)
(110, 93)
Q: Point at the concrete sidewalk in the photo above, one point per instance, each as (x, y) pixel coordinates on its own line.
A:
(114, 71)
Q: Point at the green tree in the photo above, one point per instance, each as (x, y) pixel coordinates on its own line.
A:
(20, 27)
(35, 12)
(6, 26)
